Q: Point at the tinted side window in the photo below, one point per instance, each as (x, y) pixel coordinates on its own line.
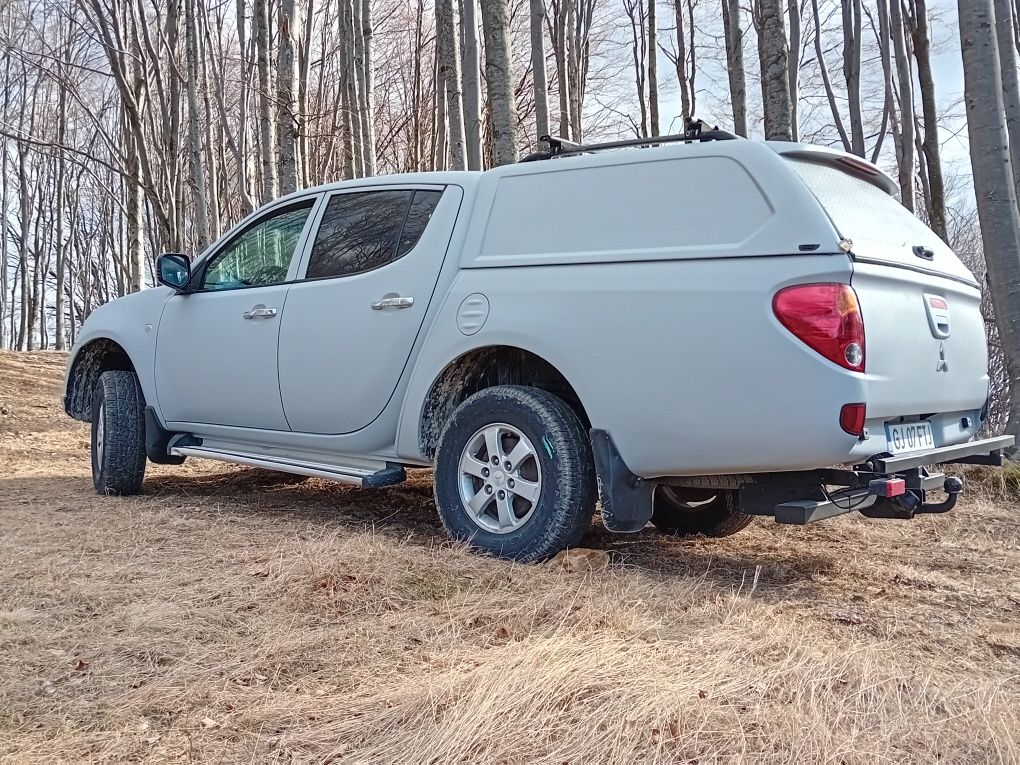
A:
(259, 256)
(358, 233)
(422, 207)
(365, 230)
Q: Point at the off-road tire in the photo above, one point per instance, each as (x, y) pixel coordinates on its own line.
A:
(566, 502)
(675, 512)
(119, 467)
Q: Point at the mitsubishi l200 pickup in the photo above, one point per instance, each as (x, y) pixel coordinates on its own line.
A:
(696, 332)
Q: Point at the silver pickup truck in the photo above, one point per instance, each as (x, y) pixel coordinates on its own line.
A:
(697, 332)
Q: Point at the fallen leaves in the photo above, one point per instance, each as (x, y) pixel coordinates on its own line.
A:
(580, 560)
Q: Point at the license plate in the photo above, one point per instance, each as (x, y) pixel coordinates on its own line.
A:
(909, 436)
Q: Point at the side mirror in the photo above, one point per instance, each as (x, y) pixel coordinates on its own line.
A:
(173, 270)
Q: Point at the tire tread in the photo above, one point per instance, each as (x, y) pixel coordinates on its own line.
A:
(123, 468)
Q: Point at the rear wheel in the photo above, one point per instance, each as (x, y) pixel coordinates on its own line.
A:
(514, 474)
(118, 434)
(685, 512)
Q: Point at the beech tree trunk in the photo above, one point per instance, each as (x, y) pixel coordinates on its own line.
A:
(775, 84)
(448, 56)
(852, 72)
(287, 127)
(1010, 87)
(267, 119)
(495, 30)
(541, 83)
(196, 162)
(367, 81)
(734, 41)
(905, 143)
(653, 72)
(793, 64)
(473, 87)
(993, 182)
(929, 111)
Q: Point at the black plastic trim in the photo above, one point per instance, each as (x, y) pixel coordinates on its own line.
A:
(391, 475)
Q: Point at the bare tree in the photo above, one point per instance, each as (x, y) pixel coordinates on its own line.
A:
(734, 42)
(448, 56)
(287, 129)
(904, 137)
(541, 84)
(993, 181)
(793, 64)
(930, 150)
(472, 82)
(267, 119)
(367, 83)
(1005, 29)
(195, 158)
(502, 105)
(653, 72)
(774, 59)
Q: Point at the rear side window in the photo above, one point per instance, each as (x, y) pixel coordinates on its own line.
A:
(366, 230)
(861, 210)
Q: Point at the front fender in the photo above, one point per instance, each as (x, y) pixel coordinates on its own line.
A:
(130, 323)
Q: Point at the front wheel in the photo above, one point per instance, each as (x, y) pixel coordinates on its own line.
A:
(118, 434)
(684, 512)
(514, 474)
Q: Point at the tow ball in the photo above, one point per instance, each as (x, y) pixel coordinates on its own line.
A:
(911, 501)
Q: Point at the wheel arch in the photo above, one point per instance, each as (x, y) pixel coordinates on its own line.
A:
(485, 367)
(99, 355)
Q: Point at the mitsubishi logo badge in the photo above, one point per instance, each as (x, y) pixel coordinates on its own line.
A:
(943, 365)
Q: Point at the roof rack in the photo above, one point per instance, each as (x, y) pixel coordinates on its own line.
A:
(694, 130)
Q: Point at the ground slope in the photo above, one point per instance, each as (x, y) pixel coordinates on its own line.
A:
(229, 616)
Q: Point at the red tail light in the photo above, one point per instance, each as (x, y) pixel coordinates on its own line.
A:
(852, 418)
(827, 317)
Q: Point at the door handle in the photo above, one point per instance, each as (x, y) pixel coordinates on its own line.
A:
(392, 301)
(259, 312)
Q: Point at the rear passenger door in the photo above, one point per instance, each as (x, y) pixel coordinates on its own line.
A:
(358, 305)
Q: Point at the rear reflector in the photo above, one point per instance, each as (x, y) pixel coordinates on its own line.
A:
(852, 418)
(827, 317)
(887, 487)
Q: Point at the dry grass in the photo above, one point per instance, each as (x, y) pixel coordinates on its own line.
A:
(226, 616)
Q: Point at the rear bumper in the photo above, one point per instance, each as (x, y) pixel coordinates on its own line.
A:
(987, 451)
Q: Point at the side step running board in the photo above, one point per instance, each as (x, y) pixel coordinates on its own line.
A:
(387, 476)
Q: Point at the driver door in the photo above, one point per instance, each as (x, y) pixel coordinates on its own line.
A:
(216, 344)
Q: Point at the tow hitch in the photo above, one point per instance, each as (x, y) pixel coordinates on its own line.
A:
(885, 486)
(913, 502)
(900, 496)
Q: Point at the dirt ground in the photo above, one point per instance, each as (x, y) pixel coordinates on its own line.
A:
(227, 615)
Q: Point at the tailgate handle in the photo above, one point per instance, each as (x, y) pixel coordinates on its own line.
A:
(924, 252)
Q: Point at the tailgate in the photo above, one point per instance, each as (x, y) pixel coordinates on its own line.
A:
(926, 351)
(925, 342)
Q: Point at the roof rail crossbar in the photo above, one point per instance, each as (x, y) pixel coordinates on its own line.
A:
(695, 130)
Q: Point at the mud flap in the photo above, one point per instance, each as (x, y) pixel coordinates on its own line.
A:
(157, 440)
(626, 498)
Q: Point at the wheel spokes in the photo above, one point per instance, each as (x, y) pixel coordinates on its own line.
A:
(505, 509)
(474, 466)
(478, 502)
(519, 454)
(525, 489)
(493, 447)
(500, 478)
